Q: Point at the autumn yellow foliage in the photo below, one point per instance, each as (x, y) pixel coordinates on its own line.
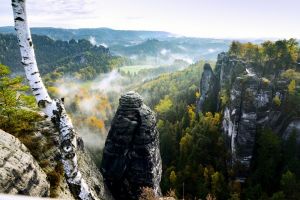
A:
(292, 87)
(95, 122)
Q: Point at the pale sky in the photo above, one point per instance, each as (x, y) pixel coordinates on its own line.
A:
(200, 18)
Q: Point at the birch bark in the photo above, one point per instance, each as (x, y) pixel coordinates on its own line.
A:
(54, 109)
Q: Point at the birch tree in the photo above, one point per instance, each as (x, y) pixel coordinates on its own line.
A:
(53, 108)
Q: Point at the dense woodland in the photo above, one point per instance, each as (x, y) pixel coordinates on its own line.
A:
(79, 59)
(192, 146)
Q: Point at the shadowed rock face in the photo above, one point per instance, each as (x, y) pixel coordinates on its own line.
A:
(131, 157)
(208, 91)
(19, 171)
(250, 105)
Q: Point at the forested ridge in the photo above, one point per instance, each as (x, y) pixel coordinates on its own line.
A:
(56, 58)
(194, 149)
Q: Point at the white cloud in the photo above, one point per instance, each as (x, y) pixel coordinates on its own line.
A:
(207, 18)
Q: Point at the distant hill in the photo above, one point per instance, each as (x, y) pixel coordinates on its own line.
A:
(145, 47)
(141, 47)
(101, 35)
(170, 49)
(59, 56)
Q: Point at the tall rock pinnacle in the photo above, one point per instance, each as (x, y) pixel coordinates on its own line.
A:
(131, 157)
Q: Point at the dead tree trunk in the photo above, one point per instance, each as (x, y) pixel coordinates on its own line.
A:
(54, 109)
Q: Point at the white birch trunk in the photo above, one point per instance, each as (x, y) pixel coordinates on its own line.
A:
(52, 108)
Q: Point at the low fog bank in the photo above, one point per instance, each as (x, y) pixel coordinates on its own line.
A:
(92, 104)
(164, 51)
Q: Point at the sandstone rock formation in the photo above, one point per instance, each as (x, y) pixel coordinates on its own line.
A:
(45, 130)
(250, 105)
(131, 157)
(19, 171)
(46, 163)
(208, 90)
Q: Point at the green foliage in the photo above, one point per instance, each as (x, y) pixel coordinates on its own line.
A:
(173, 178)
(217, 185)
(291, 74)
(282, 54)
(15, 113)
(202, 162)
(86, 73)
(164, 105)
(131, 69)
(291, 154)
(185, 144)
(79, 59)
(277, 56)
(197, 139)
(224, 96)
(269, 156)
(234, 196)
(291, 105)
(248, 51)
(289, 185)
(268, 177)
(278, 196)
(192, 146)
(18, 117)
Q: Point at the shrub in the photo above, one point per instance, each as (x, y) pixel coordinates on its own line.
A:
(147, 194)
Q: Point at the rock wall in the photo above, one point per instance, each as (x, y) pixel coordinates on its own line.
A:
(250, 105)
(46, 163)
(19, 171)
(46, 131)
(208, 91)
(131, 157)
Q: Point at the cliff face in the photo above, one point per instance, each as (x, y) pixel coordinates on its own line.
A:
(37, 170)
(249, 104)
(46, 131)
(131, 158)
(209, 91)
(19, 171)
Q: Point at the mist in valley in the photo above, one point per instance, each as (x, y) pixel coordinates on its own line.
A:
(92, 104)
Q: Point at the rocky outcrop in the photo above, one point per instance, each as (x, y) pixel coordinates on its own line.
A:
(19, 171)
(92, 175)
(209, 91)
(47, 134)
(293, 127)
(131, 157)
(250, 105)
(48, 158)
(43, 144)
(247, 109)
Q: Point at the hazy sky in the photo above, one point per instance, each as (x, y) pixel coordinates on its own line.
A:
(201, 18)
